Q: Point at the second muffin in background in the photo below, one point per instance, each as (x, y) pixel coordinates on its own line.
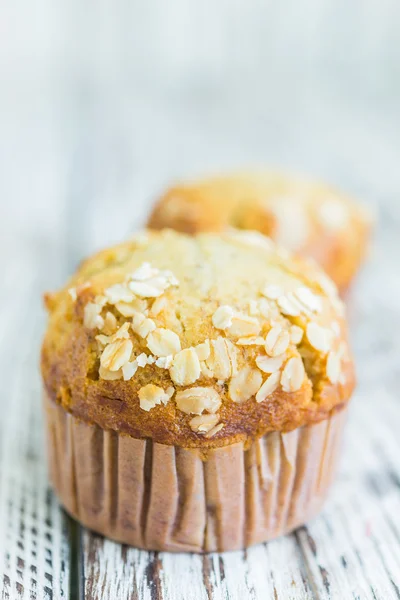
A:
(305, 216)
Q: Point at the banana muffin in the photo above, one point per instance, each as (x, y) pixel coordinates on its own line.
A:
(195, 390)
(306, 217)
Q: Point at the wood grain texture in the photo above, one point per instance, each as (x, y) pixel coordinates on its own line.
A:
(34, 551)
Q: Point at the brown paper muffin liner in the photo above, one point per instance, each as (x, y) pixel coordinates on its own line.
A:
(160, 497)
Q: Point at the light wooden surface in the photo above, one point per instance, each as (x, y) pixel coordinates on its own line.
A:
(85, 143)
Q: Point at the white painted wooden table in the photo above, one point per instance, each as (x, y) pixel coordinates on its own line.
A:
(81, 154)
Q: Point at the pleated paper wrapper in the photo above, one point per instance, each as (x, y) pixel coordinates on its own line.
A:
(160, 497)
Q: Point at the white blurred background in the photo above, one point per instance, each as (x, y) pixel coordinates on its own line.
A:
(103, 103)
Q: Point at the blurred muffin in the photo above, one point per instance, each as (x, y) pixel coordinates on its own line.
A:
(306, 217)
(195, 390)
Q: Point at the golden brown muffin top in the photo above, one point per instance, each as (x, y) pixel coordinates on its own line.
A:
(305, 216)
(197, 340)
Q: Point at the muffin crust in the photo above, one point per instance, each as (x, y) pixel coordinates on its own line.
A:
(197, 341)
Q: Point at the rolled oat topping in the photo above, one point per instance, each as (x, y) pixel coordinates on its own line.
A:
(319, 337)
(269, 386)
(185, 368)
(334, 367)
(110, 323)
(293, 375)
(164, 362)
(243, 325)
(253, 340)
(268, 364)
(149, 289)
(222, 318)
(108, 375)
(116, 354)
(267, 308)
(91, 316)
(214, 430)
(150, 395)
(118, 293)
(122, 333)
(272, 292)
(254, 310)
(159, 305)
(245, 384)
(308, 299)
(223, 358)
(203, 423)
(296, 334)
(163, 342)
(195, 400)
(142, 360)
(277, 341)
(289, 305)
(203, 350)
(205, 371)
(148, 282)
(130, 309)
(129, 369)
(142, 325)
(103, 340)
(72, 292)
(144, 272)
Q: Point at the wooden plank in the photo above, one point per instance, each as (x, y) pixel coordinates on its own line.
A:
(34, 550)
(114, 571)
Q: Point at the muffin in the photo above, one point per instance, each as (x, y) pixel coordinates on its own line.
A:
(195, 390)
(306, 217)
